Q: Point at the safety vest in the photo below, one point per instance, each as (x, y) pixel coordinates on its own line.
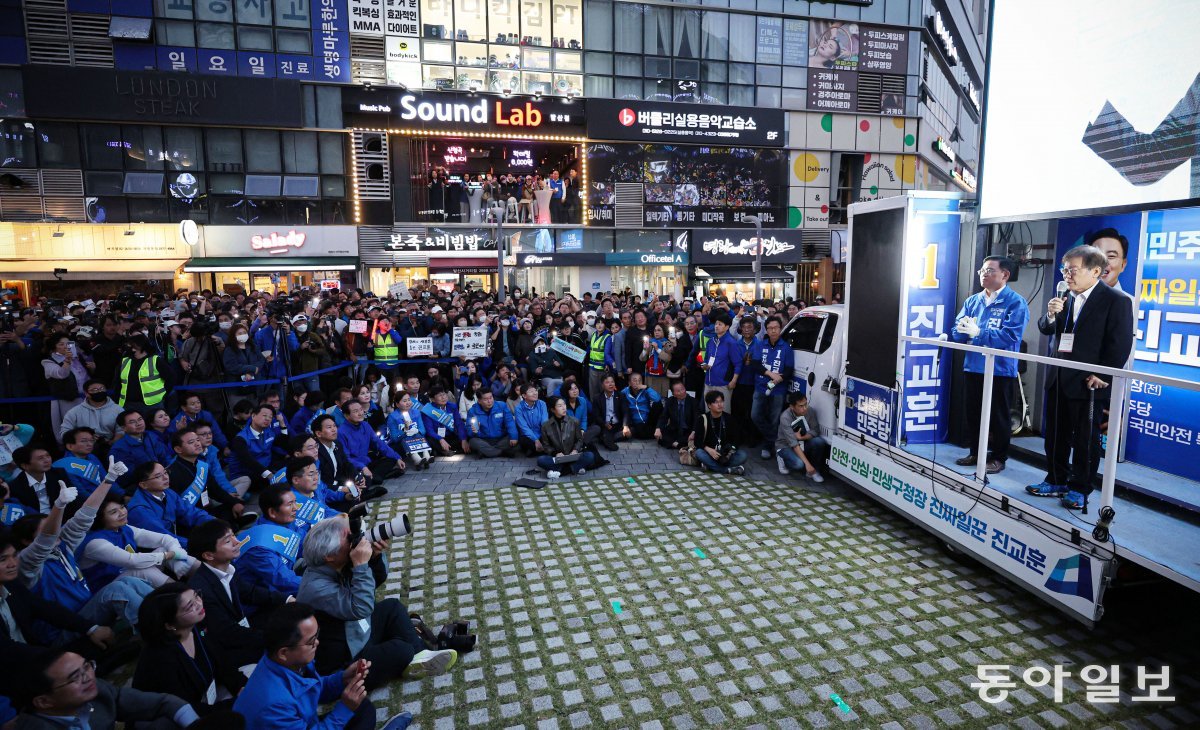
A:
(386, 347)
(596, 351)
(153, 387)
(703, 345)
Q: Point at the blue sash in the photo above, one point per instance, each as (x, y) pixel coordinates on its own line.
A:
(280, 476)
(310, 510)
(194, 493)
(283, 541)
(89, 471)
(443, 417)
(10, 512)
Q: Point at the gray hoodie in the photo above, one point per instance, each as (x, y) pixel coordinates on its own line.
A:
(101, 419)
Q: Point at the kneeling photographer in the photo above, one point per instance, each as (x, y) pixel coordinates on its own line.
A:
(340, 585)
(713, 438)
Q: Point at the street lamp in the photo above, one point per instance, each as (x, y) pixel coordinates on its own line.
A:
(758, 247)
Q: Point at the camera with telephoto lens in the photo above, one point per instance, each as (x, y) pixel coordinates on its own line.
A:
(398, 526)
(725, 452)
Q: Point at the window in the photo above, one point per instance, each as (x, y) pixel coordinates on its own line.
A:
(227, 184)
(103, 147)
(293, 13)
(811, 334)
(628, 17)
(300, 152)
(714, 35)
(333, 186)
(173, 33)
(17, 145)
(182, 149)
(262, 151)
(741, 37)
(658, 68)
(301, 187)
(103, 183)
(178, 9)
(687, 33)
(657, 30)
(293, 41)
(219, 10)
(844, 190)
(263, 186)
(143, 183)
(143, 147)
(224, 150)
(254, 12)
(332, 154)
(215, 35)
(598, 34)
(255, 39)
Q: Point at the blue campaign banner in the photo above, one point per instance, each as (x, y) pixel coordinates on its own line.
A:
(176, 58)
(134, 57)
(931, 242)
(301, 68)
(217, 62)
(1120, 250)
(331, 41)
(254, 64)
(872, 409)
(1163, 430)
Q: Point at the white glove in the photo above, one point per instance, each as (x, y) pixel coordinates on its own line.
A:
(66, 495)
(968, 327)
(267, 474)
(116, 470)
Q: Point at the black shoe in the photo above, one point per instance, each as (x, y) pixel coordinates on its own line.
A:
(394, 474)
(612, 447)
(373, 493)
(968, 460)
(995, 466)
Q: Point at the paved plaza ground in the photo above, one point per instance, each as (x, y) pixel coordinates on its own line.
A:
(649, 595)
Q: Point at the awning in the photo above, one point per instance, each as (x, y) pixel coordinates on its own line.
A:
(732, 274)
(270, 265)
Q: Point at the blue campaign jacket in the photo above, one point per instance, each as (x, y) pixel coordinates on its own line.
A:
(276, 697)
(493, 424)
(359, 441)
(134, 451)
(183, 420)
(726, 359)
(302, 420)
(86, 474)
(260, 448)
(101, 574)
(266, 562)
(530, 420)
(580, 411)
(213, 457)
(265, 339)
(776, 358)
(639, 405)
(396, 426)
(432, 423)
(166, 515)
(1001, 327)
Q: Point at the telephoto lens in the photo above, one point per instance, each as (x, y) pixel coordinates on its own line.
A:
(398, 526)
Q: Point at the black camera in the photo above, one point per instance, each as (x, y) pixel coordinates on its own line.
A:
(398, 526)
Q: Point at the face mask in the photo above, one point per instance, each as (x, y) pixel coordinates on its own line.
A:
(541, 348)
(302, 328)
(98, 398)
(225, 325)
(482, 318)
(243, 337)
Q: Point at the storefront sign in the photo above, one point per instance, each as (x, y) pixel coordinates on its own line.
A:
(937, 24)
(780, 246)
(832, 90)
(62, 92)
(646, 259)
(651, 121)
(943, 148)
(331, 40)
(447, 111)
(330, 284)
(883, 49)
(419, 346)
(562, 259)
(241, 241)
(442, 240)
(469, 342)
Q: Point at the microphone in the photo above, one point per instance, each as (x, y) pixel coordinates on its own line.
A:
(1061, 290)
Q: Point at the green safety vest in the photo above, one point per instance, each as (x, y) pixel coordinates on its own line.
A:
(702, 341)
(596, 353)
(153, 387)
(386, 348)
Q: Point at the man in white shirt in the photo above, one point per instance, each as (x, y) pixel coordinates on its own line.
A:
(36, 485)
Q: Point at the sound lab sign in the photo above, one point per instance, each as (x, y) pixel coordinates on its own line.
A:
(650, 121)
(436, 111)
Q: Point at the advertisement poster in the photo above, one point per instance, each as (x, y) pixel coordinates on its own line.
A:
(833, 45)
(469, 342)
(331, 38)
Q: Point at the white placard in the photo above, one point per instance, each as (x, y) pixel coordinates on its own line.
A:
(399, 290)
(420, 346)
(358, 326)
(577, 354)
(469, 342)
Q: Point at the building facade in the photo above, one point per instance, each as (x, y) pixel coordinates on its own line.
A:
(675, 124)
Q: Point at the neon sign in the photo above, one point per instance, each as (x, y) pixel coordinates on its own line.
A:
(455, 154)
(520, 158)
(275, 243)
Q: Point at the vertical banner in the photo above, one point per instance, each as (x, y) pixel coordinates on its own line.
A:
(331, 41)
(1164, 431)
(931, 262)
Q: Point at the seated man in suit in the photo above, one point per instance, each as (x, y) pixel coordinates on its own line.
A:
(609, 413)
(36, 485)
(677, 418)
(255, 453)
(334, 465)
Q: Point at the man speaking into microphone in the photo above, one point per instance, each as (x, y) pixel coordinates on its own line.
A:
(1091, 323)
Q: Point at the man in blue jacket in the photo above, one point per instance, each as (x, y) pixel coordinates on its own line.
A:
(84, 471)
(996, 318)
(771, 358)
(492, 428)
(722, 361)
(268, 559)
(277, 342)
(530, 413)
(134, 448)
(156, 508)
(255, 454)
(285, 690)
(369, 453)
(644, 406)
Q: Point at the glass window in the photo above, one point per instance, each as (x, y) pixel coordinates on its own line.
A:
(293, 13)
(769, 75)
(629, 65)
(713, 71)
(769, 97)
(795, 77)
(628, 17)
(741, 95)
(254, 12)
(438, 19)
(658, 68)
(437, 77)
(537, 83)
(643, 241)
(103, 147)
(741, 73)
(263, 186)
(17, 145)
(535, 58)
(149, 210)
(302, 212)
(333, 186)
(714, 35)
(178, 9)
(598, 63)
(714, 93)
(301, 187)
(143, 183)
(329, 107)
(182, 150)
(224, 150)
(794, 99)
(564, 84)
(535, 21)
(599, 30)
(231, 184)
(299, 151)
(770, 40)
(262, 151)
(185, 186)
(215, 35)
(687, 33)
(568, 61)
(221, 10)
(103, 183)
(437, 52)
(656, 90)
(293, 41)
(266, 212)
(741, 37)
(143, 148)
(628, 89)
(255, 39)
(687, 70)
(471, 79)
(504, 24)
(657, 30)
(568, 23)
(171, 33)
(332, 153)
(600, 87)
(472, 54)
(470, 20)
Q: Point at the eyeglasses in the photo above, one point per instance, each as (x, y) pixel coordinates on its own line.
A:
(79, 676)
(986, 272)
(192, 605)
(311, 643)
(1070, 270)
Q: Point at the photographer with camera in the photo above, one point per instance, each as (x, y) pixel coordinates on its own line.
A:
(340, 587)
(277, 342)
(313, 354)
(200, 356)
(712, 439)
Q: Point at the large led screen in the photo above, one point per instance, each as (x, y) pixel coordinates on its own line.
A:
(1091, 104)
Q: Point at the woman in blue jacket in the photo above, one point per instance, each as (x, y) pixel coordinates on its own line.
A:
(405, 429)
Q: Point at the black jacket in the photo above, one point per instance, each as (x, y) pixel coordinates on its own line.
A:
(345, 470)
(21, 489)
(1103, 336)
(620, 410)
(26, 607)
(116, 704)
(168, 670)
(223, 617)
(673, 429)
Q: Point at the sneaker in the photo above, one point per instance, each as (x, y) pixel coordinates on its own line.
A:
(816, 477)
(553, 474)
(580, 472)
(782, 465)
(430, 664)
(736, 470)
(399, 722)
(1046, 489)
(968, 460)
(766, 454)
(1074, 500)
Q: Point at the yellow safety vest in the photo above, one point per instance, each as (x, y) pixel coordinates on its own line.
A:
(596, 353)
(153, 387)
(386, 347)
